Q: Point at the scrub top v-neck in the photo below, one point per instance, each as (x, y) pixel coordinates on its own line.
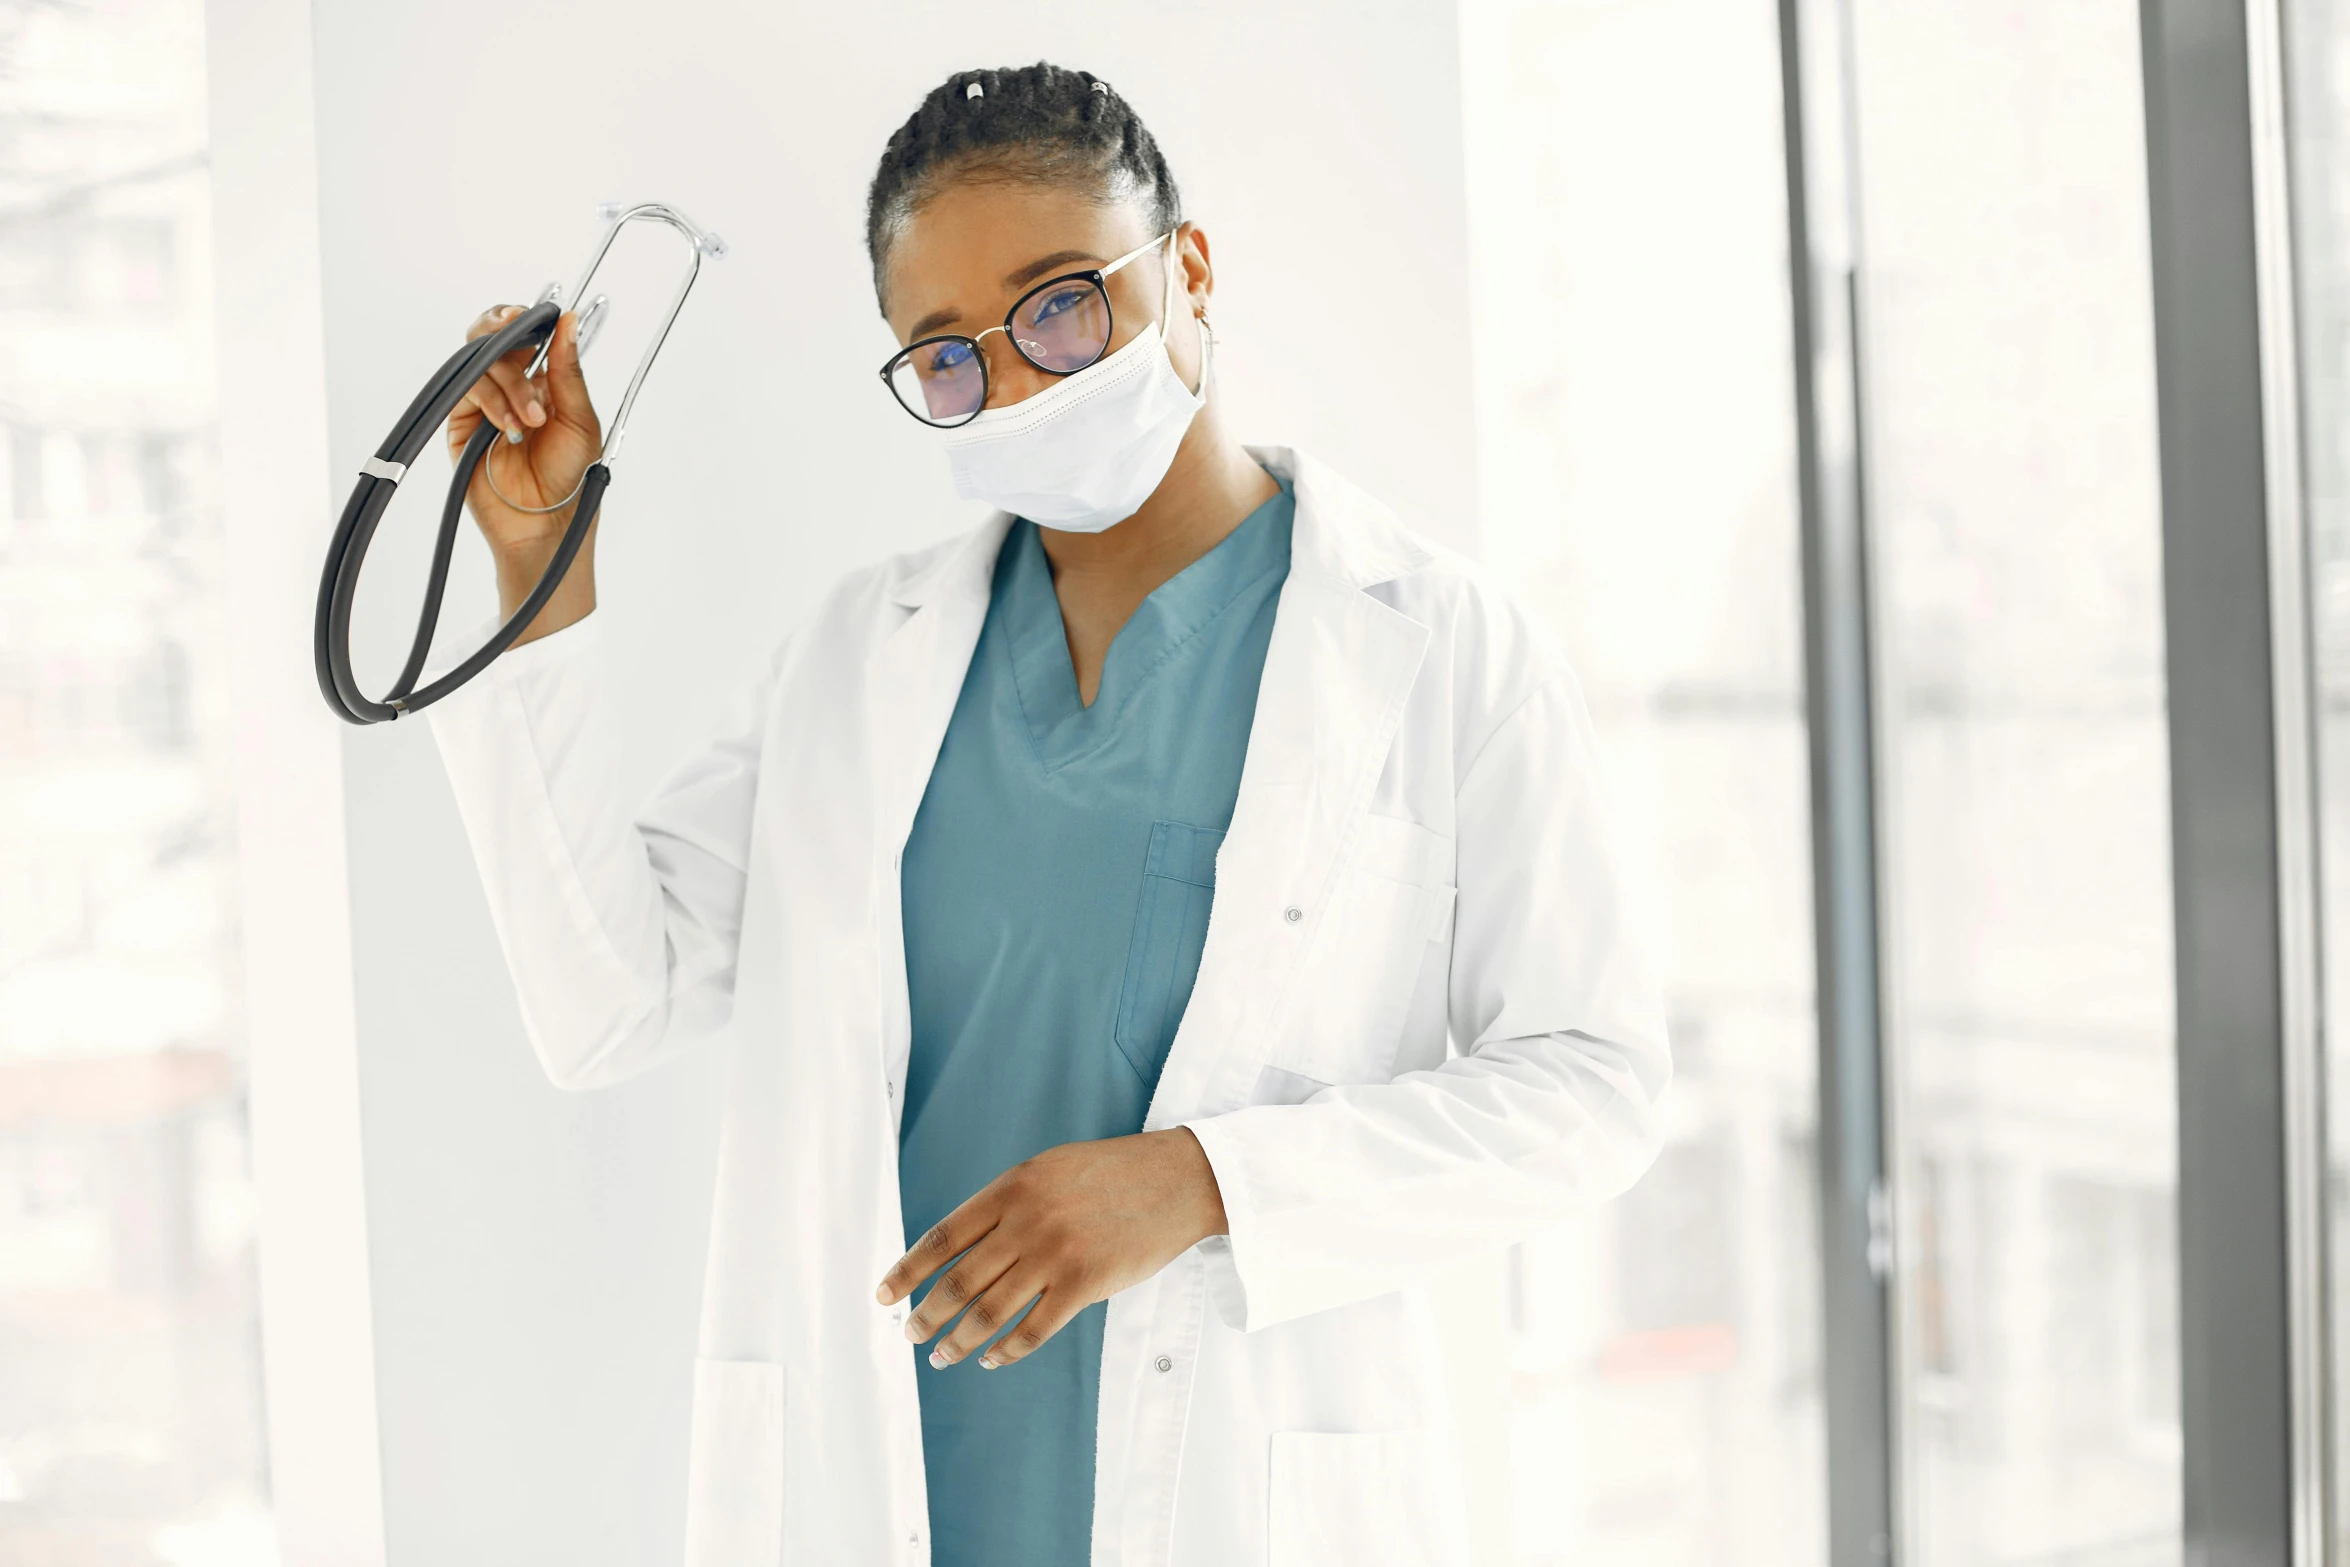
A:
(1056, 886)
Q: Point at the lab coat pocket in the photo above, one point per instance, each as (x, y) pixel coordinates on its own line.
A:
(734, 1474)
(1392, 898)
(1170, 931)
(1365, 1499)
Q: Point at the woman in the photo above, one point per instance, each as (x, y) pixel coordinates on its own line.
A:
(1091, 898)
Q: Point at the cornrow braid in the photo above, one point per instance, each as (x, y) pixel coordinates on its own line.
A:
(1036, 124)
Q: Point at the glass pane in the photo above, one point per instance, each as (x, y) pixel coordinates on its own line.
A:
(1628, 244)
(2014, 507)
(2317, 63)
(130, 1417)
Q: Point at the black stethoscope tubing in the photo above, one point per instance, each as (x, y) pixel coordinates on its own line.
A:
(380, 480)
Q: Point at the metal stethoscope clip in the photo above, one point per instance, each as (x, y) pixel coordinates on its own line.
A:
(381, 474)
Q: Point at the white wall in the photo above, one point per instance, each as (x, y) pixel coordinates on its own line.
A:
(318, 1354)
(535, 1258)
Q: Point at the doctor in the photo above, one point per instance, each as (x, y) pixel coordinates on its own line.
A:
(1091, 900)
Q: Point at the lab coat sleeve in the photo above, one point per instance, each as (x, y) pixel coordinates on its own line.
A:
(619, 926)
(1551, 1104)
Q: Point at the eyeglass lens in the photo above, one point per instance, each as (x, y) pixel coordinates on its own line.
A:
(1061, 328)
(1064, 326)
(942, 382)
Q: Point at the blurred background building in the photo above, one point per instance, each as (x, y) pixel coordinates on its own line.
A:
(130, 1394)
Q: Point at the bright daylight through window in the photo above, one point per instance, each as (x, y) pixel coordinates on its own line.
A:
(2015, 513)
(1634, 404)
(2318, 63)
(130, 1388)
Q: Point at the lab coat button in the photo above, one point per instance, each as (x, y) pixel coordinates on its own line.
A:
(1293, 914)
(1164, 1364)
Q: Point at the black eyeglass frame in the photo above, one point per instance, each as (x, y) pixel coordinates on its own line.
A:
(1097, 276)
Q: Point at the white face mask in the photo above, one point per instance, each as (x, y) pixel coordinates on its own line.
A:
(1083, 455)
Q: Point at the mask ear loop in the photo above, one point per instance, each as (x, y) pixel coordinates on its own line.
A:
(1167, 294)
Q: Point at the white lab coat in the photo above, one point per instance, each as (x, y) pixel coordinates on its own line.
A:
(1418, 854)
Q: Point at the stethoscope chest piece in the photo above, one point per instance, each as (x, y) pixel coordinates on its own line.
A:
(380, 477)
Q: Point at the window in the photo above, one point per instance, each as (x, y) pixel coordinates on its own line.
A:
(1628, 245)
(130, 1398)
(2015, 518)
(2317, 62)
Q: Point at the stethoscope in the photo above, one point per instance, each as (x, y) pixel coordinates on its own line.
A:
(380, 476)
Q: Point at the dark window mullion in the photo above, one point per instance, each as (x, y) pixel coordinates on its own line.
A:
(1856, 1207)
(2239, 750)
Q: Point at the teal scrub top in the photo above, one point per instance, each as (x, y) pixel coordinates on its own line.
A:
(1056, 889)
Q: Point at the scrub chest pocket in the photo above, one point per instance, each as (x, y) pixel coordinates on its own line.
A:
(1170, 932)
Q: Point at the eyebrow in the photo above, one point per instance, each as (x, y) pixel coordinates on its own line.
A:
(1013, 279)
(1039, 267)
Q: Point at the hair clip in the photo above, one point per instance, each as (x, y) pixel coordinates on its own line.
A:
(974, 91)
(1103, 88)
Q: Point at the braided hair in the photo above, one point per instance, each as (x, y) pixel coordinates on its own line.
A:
(1029, 124)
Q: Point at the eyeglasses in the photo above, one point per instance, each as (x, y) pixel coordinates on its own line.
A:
(1060, 326)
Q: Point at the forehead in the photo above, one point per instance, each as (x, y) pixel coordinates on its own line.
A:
(957, 250)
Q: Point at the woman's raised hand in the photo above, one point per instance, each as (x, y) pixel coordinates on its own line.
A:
(551, 435)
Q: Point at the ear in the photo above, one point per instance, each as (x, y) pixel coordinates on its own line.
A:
(1199, 273)
(1188, 350)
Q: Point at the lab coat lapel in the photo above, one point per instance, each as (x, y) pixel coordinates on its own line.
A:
(1337, 673)
(913, 683)
(918, 674)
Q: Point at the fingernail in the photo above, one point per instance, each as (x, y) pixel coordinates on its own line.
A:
(938, 1360)
(914, 1332)
(882, 1294)
(987, 1362)
(532, 413)
(514, 436)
